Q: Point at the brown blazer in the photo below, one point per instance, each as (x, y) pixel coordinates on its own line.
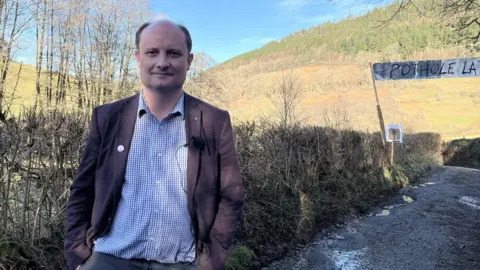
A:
(214, 185)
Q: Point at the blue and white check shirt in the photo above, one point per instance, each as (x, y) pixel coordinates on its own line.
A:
(152, 220)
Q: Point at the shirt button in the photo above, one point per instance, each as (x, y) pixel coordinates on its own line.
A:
(158, 182)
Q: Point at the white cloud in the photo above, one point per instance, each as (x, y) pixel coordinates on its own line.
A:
(360, 8)
(297, 10)
(357, 8)
(294, 4)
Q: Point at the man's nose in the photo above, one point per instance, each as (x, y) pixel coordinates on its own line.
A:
(162, 61)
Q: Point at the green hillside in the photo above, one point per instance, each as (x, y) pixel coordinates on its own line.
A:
(406, 33)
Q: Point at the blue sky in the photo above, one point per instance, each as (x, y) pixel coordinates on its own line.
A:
(224, 29)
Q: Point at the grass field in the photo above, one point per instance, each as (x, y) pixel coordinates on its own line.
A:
(24, 95)
(25, 92)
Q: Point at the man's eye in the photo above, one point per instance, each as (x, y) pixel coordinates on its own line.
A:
(151, 52)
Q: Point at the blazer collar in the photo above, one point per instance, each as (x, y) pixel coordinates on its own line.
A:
(143, 107)
(128, 116)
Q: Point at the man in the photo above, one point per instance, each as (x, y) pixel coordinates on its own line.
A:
(158, 186)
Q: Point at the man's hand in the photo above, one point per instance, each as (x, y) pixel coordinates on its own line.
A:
(78, 268)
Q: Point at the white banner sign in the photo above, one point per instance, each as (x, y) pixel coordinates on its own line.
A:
(432, 69)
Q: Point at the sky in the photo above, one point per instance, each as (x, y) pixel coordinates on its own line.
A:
(224, 29)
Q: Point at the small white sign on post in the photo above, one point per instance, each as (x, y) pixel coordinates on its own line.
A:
(394, 133)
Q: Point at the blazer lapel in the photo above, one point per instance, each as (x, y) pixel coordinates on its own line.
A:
(123, 137)
(192, 128)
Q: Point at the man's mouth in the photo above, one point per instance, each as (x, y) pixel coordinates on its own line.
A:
(163, 74)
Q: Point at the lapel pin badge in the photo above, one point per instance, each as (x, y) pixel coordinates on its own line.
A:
(120, 148)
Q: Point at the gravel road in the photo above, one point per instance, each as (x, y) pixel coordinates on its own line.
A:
(433, 225)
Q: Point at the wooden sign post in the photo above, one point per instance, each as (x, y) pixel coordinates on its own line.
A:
(392, 154)
(394, 135)
(379, 109)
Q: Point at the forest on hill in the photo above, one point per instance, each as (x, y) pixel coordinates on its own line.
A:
(382, 31)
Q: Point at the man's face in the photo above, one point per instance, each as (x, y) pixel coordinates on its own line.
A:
(163, 57)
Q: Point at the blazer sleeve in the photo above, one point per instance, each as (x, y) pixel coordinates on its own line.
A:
(231, 203)
(80, 203)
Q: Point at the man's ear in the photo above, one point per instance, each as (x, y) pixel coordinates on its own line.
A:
(190, 60)
(137, 56)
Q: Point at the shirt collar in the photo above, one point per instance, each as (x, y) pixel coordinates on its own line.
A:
(143, 107)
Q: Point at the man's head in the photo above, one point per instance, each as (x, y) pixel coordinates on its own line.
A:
(163, 55)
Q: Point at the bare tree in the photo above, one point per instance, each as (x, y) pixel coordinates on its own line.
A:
(40, 25)
(110, 36)
(14, 20)
(201, 62)
(89, 49)
(336, 116)
(467, 13)
(200, 83)
(286, 97)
